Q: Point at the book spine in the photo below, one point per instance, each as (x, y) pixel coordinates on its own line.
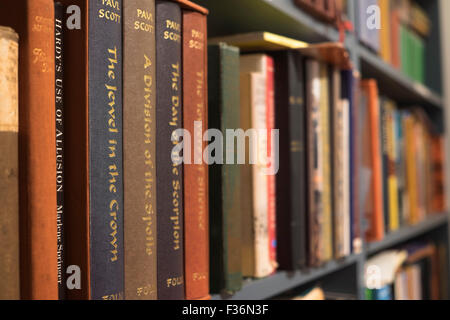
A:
(394, 217)
(385, 162)
(271, 181)
(105, 150)
(246, 178)
(195, 111)
(170, 264)
(59, 116)
(9, 165)
(37, 146)
(291, 206)
(230, 175)
(327, 225)
(315, 177)
(337, 146)
(259, 178)
(225, 226)
(139, 149)
(376, 231)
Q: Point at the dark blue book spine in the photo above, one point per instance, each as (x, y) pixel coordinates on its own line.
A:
(348, 83)
(169, 175)
(105, 150)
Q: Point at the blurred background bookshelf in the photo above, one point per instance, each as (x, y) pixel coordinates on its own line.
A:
(283, 17)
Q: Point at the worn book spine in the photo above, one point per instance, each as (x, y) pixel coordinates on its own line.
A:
(248, 233)
(105, 150)
(315, 176)
(9, 165)
(327, 224)
(260, 210)
(169, 172)
(271, 163)
(76, 199)
(338, 163)
(195, 120)
(59, 117)
(139, 149)
(225, 192)
(34, 21)
(291, 203)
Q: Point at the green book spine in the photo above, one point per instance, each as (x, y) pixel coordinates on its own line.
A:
(225, 191)
(410, 55)
(404, 49)
(420, 60)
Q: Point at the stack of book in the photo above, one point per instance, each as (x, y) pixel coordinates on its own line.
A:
(400, 37)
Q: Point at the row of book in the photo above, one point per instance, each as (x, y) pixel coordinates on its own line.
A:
(90, 133)
(415, 272)
(93, 207)
(403, 156)
(346, 157)
(401, 38)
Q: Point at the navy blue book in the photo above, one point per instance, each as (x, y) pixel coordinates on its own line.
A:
(169, 175)
(105, 150)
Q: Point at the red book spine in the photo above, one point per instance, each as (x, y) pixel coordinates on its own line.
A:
(196, 235)
(271, 187)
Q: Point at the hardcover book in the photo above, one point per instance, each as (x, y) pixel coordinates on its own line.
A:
(34, 21)
(225, 192)
(327, 201)
(375, 211)
(169, 171)
(59, 116)
(9, 164)
(93, 163)
(264, 214)
(139, 154)
(195, 113)
(315, 164)
(291, 186)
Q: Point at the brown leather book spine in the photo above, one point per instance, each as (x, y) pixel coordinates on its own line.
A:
(34, 22)
(139, 127)
(9, 165)
(76, 196)
(195, 113)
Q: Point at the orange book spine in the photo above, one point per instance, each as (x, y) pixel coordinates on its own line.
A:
(376, 230)
(195, 108)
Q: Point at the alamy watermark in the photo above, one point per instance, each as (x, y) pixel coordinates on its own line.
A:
(232, 148)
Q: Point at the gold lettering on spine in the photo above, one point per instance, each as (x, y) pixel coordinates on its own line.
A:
(111, 12)
(149, 211)
(176, 187)
(113, 172)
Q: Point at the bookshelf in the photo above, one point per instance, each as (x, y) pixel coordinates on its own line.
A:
(284, 18)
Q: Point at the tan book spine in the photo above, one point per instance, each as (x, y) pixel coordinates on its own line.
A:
(139, 127)
(9, 165)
